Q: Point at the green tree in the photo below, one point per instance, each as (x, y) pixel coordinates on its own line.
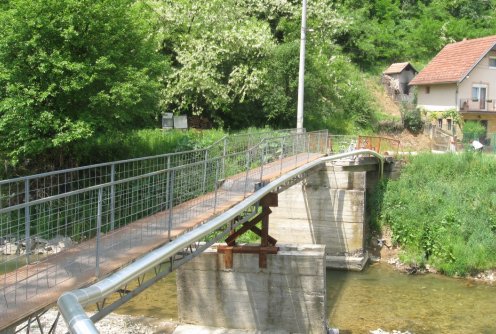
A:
(217, 50)
(73, 68)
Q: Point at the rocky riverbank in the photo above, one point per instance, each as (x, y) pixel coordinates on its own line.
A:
(111, 324)
(382, 250)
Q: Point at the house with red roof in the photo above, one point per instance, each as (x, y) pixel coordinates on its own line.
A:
(462, 76)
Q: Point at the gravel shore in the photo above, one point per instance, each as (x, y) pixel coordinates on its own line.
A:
(111, 324)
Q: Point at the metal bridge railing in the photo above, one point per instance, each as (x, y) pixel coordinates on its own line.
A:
(347, 143)
(71, 303)
(74, 223)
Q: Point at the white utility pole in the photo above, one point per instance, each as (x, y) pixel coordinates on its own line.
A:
(301, 75)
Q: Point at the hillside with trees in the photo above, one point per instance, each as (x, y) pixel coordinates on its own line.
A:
(74, 72)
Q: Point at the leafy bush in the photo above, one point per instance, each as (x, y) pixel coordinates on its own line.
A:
(442, 211)
(412, 119)
(473, 130)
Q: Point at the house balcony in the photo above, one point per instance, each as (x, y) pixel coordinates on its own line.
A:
(481, 106)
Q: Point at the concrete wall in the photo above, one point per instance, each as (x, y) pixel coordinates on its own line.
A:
(290, 294)
(328, 208)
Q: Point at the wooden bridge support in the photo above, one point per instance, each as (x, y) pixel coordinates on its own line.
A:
(267, 244)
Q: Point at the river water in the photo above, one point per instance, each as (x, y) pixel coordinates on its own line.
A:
(383, 298)
(378, 297)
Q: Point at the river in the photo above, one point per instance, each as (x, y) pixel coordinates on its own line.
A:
(378, 297)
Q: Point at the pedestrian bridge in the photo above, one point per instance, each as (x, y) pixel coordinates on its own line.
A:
(109, 224)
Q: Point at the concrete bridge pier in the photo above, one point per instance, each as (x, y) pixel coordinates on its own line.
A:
(329, 208)
(288, 296)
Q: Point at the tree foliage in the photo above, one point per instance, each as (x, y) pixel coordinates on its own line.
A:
(399, 30)
(73, 70)
(70, 69)
(236, 62)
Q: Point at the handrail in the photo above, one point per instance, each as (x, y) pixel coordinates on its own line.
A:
(71, 303)
(98, 206)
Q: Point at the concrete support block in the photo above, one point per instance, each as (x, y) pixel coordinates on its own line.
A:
(289, 295)
(328, 208)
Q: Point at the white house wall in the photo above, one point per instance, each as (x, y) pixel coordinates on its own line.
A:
(481, 74)
(440, 97)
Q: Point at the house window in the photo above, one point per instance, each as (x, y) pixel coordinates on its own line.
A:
(479, 95)
(475, 93)
(440, 123)
(492, 62)
(427, 89)
(448, 123)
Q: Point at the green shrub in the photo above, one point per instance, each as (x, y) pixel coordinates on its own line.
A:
(412, 119)
(473, 130)
(442, 211)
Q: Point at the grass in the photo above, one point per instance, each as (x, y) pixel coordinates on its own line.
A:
(442, 212)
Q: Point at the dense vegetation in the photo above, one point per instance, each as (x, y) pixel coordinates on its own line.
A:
(442, 211)
(410, 30)
(74, 72)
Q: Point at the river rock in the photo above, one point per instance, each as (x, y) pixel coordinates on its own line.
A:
(10, 249)
(58, 244)
(381, 331)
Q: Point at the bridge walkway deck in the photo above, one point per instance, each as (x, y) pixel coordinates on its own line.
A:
(35, 287)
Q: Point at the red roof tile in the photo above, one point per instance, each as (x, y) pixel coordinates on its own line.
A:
(454, 61)
(397, 68)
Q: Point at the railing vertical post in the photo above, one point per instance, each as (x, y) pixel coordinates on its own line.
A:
(27, 219)
(167, 182)
(326, 141)
(205, 172)
(98, 231)
(294, 149)
(216, 183)
(262, 160)
(281, 156)
(308, 146)
(297, 148)
(172, 175)
(248, 162)
(224, 152)
(318, 142)
(112, 197)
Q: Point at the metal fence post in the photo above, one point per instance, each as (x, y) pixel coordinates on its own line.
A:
(248, 162)
(308, 147)
(205, 172)
(167, 182)
(318, 143)
(297, 150)
(293, 139)
(281, 156)
(216, 183)
(172, 175)
(98, 231)
(112, 197)
(262, 159)
(224, 151)
(27, 219)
